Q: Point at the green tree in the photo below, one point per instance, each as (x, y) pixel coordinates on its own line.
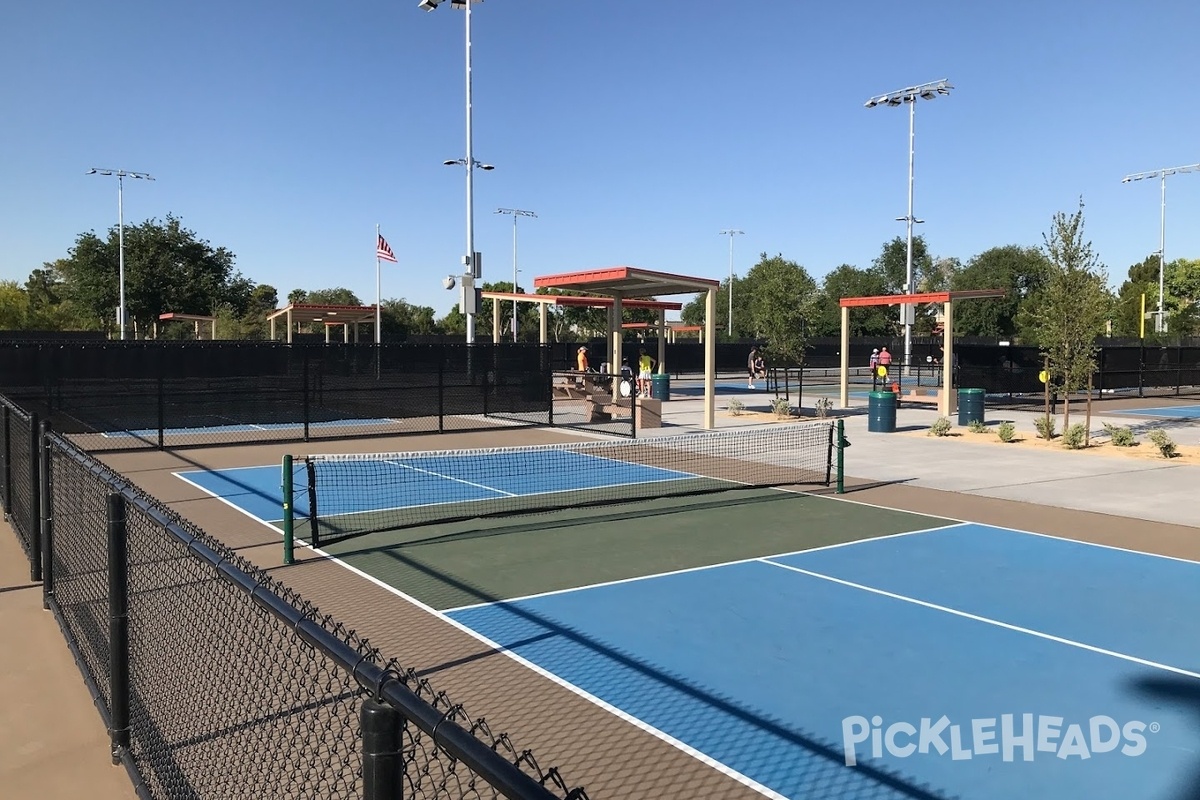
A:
(14, 306)
(1070, 311)
(1142, 280)
(783, 300)
(1181, 282)
(167, 268)
(849, 281)
(1021, 271)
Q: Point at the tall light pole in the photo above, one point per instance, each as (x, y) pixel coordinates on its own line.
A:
(731, 233)
(1162, 174)
(121, 176)
(516, 212)
(910, 95)
(469, 260)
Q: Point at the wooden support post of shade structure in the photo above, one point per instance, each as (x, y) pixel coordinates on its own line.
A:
(947, 401)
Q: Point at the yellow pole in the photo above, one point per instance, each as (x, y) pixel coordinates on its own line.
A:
(1142, 319)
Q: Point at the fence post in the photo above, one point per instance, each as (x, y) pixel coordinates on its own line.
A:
(162, 422)
(7, 463)
(33, 524)
(441, 388)
(118, 625)
(382, 767)
(288, 514)
(1141, 366)
(304, 379)
(47, 515)
(483, 381)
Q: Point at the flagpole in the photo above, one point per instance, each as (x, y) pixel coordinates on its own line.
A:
(378, 315)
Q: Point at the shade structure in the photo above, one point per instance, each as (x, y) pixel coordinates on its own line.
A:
(619, 283)
(296, 313)
(946, 399)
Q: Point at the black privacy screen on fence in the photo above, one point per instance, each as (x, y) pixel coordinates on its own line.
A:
(215, 681)
(118, 395)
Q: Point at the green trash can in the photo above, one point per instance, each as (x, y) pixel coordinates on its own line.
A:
(660, 386)
(970, 406)
(881, 412)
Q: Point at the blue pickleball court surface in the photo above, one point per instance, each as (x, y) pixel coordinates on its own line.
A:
(961, 661)
(774, 667)
(1165, 412)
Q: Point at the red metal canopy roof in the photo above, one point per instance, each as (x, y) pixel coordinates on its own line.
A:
(927, 297)
(626, 280)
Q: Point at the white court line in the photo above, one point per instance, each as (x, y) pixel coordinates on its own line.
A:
(447, 477)
(565, 684)
(692, 569)
(226, 501)
(987, 620)
(1000, 527)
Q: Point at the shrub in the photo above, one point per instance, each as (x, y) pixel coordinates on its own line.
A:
(823, 406)
(781, 407)
(941, 427)
(1075, 436)
(1045, 427)
(735, 407)
(977, 426)
(1121, 437)
(1163, 442)
(1007, 431)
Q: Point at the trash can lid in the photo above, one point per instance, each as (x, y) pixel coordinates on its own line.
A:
(970, 391)
(881, 395)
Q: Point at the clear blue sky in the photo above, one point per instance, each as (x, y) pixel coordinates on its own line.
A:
(636, 130)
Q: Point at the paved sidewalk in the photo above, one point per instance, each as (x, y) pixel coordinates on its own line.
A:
(53, 745)
(1148, 489)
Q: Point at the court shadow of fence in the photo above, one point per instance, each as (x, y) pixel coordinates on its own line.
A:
(1183, 693)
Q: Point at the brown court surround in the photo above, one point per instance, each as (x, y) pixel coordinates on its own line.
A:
(592, 747)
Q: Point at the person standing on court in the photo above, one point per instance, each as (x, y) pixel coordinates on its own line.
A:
(885, 361)
(752, 362)
(645, 368)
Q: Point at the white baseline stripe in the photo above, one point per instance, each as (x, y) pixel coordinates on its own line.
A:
(987, 620)
(694, 569)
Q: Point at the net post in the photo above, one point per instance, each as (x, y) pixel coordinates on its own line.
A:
(118, 625)
(33, 523)
(46, 531)
(311, 472)
(841, 456)
(289, 549)
(382, 764)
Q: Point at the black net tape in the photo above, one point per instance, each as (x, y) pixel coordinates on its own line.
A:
(230, 695)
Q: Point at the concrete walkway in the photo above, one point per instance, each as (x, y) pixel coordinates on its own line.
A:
(1142, 488)
(53, 745)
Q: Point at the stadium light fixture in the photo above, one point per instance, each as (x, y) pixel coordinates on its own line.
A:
(1161, 174)
(516, 212)
(910, 95)
(731, 233)
(469, 161)
(121, 175)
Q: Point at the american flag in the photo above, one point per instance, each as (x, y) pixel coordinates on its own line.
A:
(382, 250)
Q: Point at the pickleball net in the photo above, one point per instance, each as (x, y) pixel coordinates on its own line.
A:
(330, 498)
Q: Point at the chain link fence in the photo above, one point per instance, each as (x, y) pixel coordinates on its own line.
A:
(217, 681)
